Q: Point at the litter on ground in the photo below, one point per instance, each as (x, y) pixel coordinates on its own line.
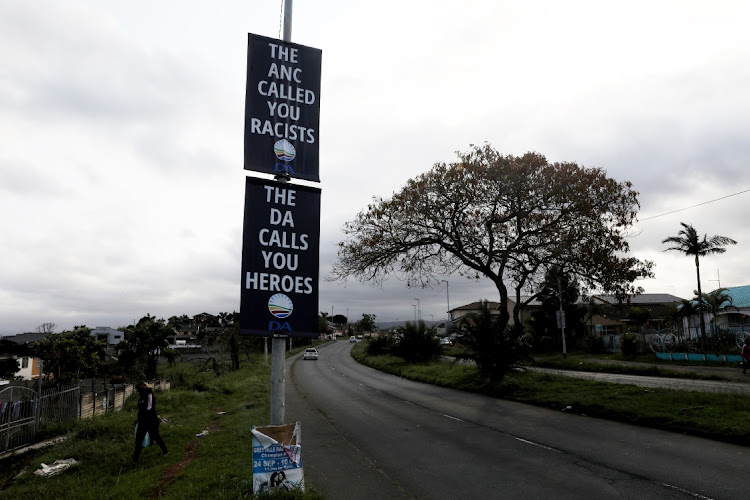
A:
(57, 467)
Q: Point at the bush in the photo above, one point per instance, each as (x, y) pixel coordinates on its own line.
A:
(594, 344)
(630, 345)
(495, 350)
(417, 343)
(544, 344)
(380, 346)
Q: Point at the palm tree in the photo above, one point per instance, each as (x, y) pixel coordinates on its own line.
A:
(717, 302)
(688, 242)
(687, 309)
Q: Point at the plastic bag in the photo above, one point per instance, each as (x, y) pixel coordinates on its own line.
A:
(146, 438)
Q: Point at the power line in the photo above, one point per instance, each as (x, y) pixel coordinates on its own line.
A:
(693, 206)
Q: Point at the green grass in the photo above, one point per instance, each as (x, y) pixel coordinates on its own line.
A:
(576, 363)
(215, 466)
(724, 417)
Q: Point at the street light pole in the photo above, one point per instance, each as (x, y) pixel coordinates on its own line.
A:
(419, 310)
(447, 295)
(415, 313)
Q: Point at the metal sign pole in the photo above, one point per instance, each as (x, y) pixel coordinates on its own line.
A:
(278, 343)
(278, 376)
(288, 20)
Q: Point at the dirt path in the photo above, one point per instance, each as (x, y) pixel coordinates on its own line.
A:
(189, 454)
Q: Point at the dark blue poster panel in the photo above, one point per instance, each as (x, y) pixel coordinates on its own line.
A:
(282, 108)
(280, 259)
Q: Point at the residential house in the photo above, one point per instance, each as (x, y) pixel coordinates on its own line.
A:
(29, 366)
(108, 335)
(735, 318)
(456, 314)
(611, 317)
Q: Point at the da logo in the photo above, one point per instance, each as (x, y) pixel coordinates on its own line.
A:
(281, 307)
(285, 152)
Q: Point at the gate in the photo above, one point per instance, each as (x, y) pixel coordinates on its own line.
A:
(18, 417)
(22, 411)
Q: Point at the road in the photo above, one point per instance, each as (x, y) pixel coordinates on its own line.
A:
(366, 434)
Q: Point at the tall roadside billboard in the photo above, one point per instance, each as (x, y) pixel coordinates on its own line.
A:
(280, 260)
(282, 108)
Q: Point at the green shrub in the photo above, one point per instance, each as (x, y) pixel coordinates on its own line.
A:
(201, 386)
(544, 344)
(380, 346)
(495, 348)
(594, 344)
(417, 343)
(630, 345)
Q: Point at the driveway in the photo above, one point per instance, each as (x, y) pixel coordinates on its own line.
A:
(734, 381)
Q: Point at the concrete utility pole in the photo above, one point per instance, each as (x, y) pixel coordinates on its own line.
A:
(561, 316)
(278, 343)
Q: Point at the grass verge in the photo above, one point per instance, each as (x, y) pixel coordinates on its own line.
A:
(723, 417)
(576, 363)
(218, 465)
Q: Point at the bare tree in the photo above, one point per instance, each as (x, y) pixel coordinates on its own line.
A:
(46, 328)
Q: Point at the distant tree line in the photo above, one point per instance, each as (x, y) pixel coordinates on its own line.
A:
(72, 355)
(366, 324)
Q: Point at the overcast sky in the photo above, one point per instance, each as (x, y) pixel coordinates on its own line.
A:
(121, 132)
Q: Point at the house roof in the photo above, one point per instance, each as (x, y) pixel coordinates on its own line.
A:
(645, 299)
(25, 338)
(642, 299)
(740, 295)
(474, 306)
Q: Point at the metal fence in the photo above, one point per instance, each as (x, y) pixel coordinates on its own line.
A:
(23, 410)
(18, 417)
(59, 405)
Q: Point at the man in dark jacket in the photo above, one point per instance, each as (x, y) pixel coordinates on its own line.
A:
(147, 420)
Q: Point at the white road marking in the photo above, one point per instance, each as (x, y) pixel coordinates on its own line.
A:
(454, 418)
(535, 444)
(694, 495)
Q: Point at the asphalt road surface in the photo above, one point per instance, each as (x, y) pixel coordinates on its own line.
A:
(366, 434)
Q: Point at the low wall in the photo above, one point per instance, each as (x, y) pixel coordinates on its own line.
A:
(112, 399)
(691, 356)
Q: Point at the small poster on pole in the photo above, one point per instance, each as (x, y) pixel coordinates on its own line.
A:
(277, 458)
